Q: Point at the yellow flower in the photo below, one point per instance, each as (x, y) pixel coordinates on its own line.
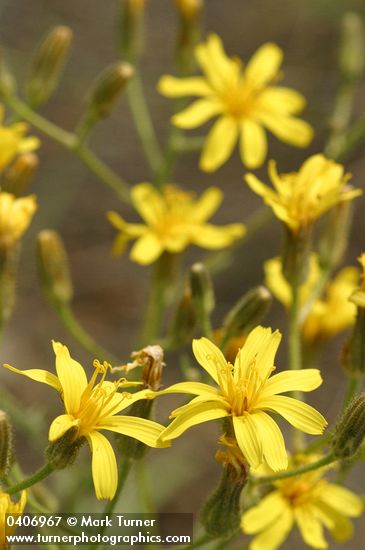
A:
(7, 506)
(174, 220)
(246, 100)
(307, 501)
(92, 406)
(245, 392)
(15, 217)
(329, 315)
(13, 141)
(299, 198)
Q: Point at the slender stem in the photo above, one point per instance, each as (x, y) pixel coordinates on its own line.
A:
(40, 474)
(68, 318)
(143, 122)
(71, 142)
(352, 388)
(143, 487)
(324, 461)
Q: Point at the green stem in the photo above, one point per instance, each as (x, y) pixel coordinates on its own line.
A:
(143, 122)
(324, 461)
(353, 385)
(72, 143)
(295, 353)
(40, 474)
(68, 318)
(143, 487)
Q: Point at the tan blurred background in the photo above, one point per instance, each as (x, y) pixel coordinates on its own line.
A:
(110, 293)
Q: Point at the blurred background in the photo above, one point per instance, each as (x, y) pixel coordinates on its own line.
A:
(110, 293)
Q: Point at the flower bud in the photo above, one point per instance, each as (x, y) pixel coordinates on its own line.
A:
(63, 452)
(7, 80)
(108, 87)
(184, 320)
(352, 47)
(296, 255)
(9, 258)
(334, 238)
(6, 444)
(353, 353)
(131, 22)
(20, 174)
(189, 9)
(54, 267)
(202, 293)
(188, 33)
(350, 430)
(47, 65)
(247, 312)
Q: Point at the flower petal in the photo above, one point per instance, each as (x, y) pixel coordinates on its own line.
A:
(210, 357)
(298, 414)
(193, 388)
(72, 377)
(300, 380)
(291, 130)
(274, 535)
(104, 466)
(219, 69)
(207, 204)
(261, 516)
(61, 425)
(214, 237)
(147, 249)
(342, 500)
(146, 431)
(253, 144)
(310, 527)
(196, 414)
(263, 65)
(199, 112)
(148, 202)
(219, 144)
(258, 351)
(38, 375)
(171, 86)
(247, 439)
(272, 441)
(283, 100)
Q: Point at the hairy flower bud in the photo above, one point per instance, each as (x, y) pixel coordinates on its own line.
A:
(202, 292)
(108, 87)
(189, 9)
(20, 174)
(352, 48)
(247, 312)
(9, 258)
(350, 430)
(296, 255)
(184, 320)
(54, 267)
(63, 452)
(334, 238)
(47, 65)
(6, 444)
(131, 21)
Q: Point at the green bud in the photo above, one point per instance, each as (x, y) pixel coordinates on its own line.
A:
(350, 430)
(247, 312)
(334, 238)
(295, 255)
(54, 267)
(188, 33)
(20, 174)
(6, 444)
(351, 57)
(7, 80)
(184, 320)
(47, 65)
(64, 451)
(131, 27)
(108, 87)
(9, 258)
(201, 287)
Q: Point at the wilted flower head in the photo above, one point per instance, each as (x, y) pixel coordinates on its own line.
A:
(174, 219)
(300, 198)
(15, 217)
(246, 100)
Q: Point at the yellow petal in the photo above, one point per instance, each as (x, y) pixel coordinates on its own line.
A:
(104, 466)
(171, 86)
(248, 439)
(219, 144)
(148, 202)
(207, 204)
(147, 249)
(29, 144)
(283, 100)
(122, 400)
(210, 357)
(193, 388)
(61, 425)
(38, 375)
(263, 65)
(253, 144)
(72, 377)
(310, 527)
(261, 189)
(197, 113)
(217, 66)
(273, 537)
(197, 413)
(291, 130)
(130, 230)
(272, 441)
(298, 414)
(303, 380)
(146, 431)
(214, 237)
(266, 512)
(259, 351)
(342, 500)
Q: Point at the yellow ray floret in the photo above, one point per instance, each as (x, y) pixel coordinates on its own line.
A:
(14, 141)
(246, 101)
(307, 501)
(15, 217)
(92, 406)
(173, 220)
(247, 392)
(7, 506)
(299, 198)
